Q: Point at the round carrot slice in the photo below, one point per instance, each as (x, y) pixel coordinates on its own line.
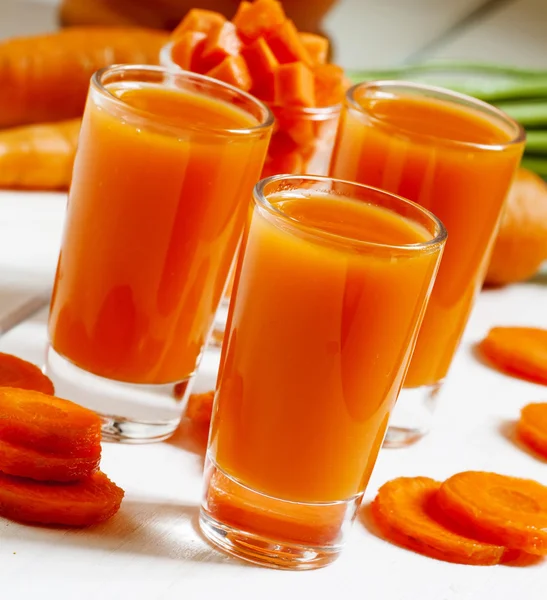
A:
(501, 509)
(406, 513)
(48, 424)
(86, 502)
(532, 427)
(520, 351)
(18, 373)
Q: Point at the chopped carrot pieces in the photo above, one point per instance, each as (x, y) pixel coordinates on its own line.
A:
(532, 427)
(316, 45)
(262, 66)
(198, 19)
(86, 502)
(18, 373)
(233, 70)
(222, 42)
(188, 48)
(497, 508)
(330, 85)
(48, 424)
(405, 512)
(258, 18)
(520, 351)
(287, 45)
(200, 407)
(294, 85)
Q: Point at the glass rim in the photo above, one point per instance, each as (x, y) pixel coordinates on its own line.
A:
(315, 111)
(261, 199)
(266, 123)
(519, 135)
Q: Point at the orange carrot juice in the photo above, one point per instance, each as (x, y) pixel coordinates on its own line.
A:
(160, 194)
(329, 294)
(456, 157)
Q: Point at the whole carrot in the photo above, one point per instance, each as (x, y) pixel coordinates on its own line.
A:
(38, 156)
(45, 78)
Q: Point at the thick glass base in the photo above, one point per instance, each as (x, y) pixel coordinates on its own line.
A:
(412, 416)
(269, 531)
(131, 413)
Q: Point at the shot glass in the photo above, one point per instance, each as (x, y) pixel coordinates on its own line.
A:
(330, 288)
(456, 156)
(165, 168)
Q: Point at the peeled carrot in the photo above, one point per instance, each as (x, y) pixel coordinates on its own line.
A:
(404, 510)
(262, 65)
(255, 19)
(18, 373)
(316, 45)
(38, 157)
(294, 85)
(45, 78)
(222, 42)
(497, 508)
(287, 45)
(532, 427)
(187, 48)
(233, 70)
(199, 19)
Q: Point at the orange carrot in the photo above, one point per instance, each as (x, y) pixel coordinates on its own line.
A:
(256, 19)
(330, 84)
(262, 66)
(18, 373)
(187, 49)
(294, 85)
(316, 45)
(233, 70)
(404, 511)
(200, 407)
(79, 504)
(38, 156)
(532, 427)
(521, 351)
(286, 44)
(199, 19)
(48, 75)
(500, 509)
(222, 42)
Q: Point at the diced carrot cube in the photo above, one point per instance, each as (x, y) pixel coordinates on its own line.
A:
(286, 44)
(262, 66)
(222, 42)
(316, 45)
(233, 70)
(187, 49)
(294, 85)
(330, 85)
(258, 18)
(198, 19)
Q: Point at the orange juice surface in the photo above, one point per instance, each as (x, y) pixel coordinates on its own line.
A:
(457, 163)
(154, 219)
(317, 343)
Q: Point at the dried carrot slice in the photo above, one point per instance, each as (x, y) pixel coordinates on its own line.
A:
(532, 427)
(404, 510)
(501, 509)
(233, 70)
(294, 85)
(200, 407)
(222, 41)
(188, 48)
(287, 45)
(48, 424)
(258, 18)
(316, 45)
(198, 19)
(519, 351)
(86, 502)
(18, 373)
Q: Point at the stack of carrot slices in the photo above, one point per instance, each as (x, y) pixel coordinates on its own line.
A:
(474, 517)
(50, 450)
(259, 51)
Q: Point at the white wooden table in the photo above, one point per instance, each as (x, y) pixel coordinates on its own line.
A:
(152, 550)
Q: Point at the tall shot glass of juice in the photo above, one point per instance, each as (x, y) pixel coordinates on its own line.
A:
(456, 156)
(331, 285)
(162, 182)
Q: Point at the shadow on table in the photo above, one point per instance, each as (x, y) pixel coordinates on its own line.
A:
(508, 430)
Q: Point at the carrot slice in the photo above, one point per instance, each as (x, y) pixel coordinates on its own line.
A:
(27, 462)
(18, 373)
(198, 19)
(233, 70)
(258, 18)
(317, 46)
(330, 85)
(519, 351)
(222, 41)
(188, 48)
(294, 85)
(262, 65)
(497, 508)
(532, 427)
(87, 502)
(200, 407)
(48, 424)
(404, 510)
(287, 45)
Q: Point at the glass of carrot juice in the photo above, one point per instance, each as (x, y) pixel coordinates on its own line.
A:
(162, 181)
(456, 156)
(330, 289)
